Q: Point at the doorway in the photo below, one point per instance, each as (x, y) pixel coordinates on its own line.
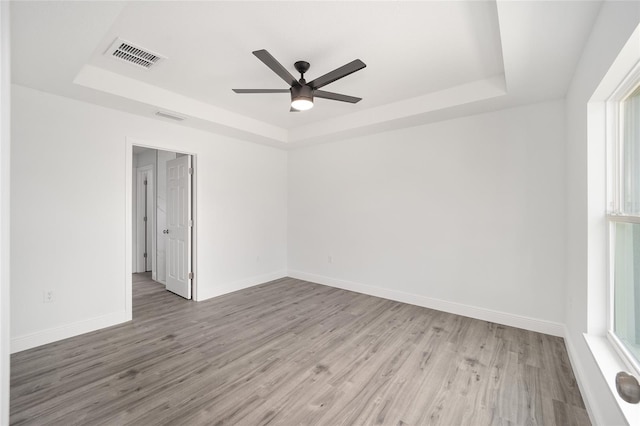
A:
(162, 204)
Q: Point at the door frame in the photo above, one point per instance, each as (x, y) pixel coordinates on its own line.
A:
(128, 214)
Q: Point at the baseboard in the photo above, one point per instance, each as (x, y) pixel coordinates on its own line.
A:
(579, 373)
(51, 335)
(219, 290)
(533, 324)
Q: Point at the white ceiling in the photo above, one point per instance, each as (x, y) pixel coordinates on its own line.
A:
(425, 60)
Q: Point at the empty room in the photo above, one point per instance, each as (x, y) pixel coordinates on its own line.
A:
(320, 212)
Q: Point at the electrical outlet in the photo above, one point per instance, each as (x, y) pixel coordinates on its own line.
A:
(47, 296)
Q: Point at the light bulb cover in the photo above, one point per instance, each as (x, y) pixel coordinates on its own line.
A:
(301, 104)
(301, 98)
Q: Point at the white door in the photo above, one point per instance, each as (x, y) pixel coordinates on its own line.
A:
(178, 248)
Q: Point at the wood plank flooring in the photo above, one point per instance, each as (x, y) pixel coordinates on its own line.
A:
(291, 352)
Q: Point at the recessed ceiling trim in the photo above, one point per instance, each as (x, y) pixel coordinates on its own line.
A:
(133, 54)
(396, 115)
(165, 100)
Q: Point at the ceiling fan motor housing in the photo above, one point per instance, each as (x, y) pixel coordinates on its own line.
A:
(302, 92)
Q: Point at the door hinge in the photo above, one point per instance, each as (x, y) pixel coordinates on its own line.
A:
(145, 218)
(191, 223)
(190, 275)
(145, 182)
(190, 170)
(145, 255)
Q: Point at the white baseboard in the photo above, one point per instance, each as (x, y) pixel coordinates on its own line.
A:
(579, 373)
(50, 335)
(533, 324)
(219, 290)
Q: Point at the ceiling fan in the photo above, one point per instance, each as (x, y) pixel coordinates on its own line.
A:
(302, 93)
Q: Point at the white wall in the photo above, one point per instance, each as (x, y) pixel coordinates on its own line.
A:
(148, 157)
(463, 215)
(68, 186)
(586, 245)
(5, 88)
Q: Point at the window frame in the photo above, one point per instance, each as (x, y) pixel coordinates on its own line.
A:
(614, 169)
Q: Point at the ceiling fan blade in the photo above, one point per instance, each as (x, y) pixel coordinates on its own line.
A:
(336, 96)
(276, 67)
(337, 74)
(261, 90)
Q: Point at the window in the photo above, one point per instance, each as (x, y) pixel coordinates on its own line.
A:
(613, 274)
(623, 213)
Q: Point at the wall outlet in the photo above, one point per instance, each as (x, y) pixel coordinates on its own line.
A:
(47, 296)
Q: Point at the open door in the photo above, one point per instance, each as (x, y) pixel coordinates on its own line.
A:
(179, 224)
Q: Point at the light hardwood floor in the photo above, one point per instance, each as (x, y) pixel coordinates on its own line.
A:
(291, 352)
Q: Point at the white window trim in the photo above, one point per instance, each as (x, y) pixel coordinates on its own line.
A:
(614, 198)
(607, 350)
(624, 354)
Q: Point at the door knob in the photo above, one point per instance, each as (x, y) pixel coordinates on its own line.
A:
(166, 231)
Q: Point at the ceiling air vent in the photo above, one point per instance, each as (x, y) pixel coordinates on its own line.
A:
(133, 54)
(169, 115)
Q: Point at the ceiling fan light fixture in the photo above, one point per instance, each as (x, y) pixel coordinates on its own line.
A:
(301, 98)
(302, 104)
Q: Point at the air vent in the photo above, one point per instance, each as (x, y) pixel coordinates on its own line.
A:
(169, 115)
(136, 55)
